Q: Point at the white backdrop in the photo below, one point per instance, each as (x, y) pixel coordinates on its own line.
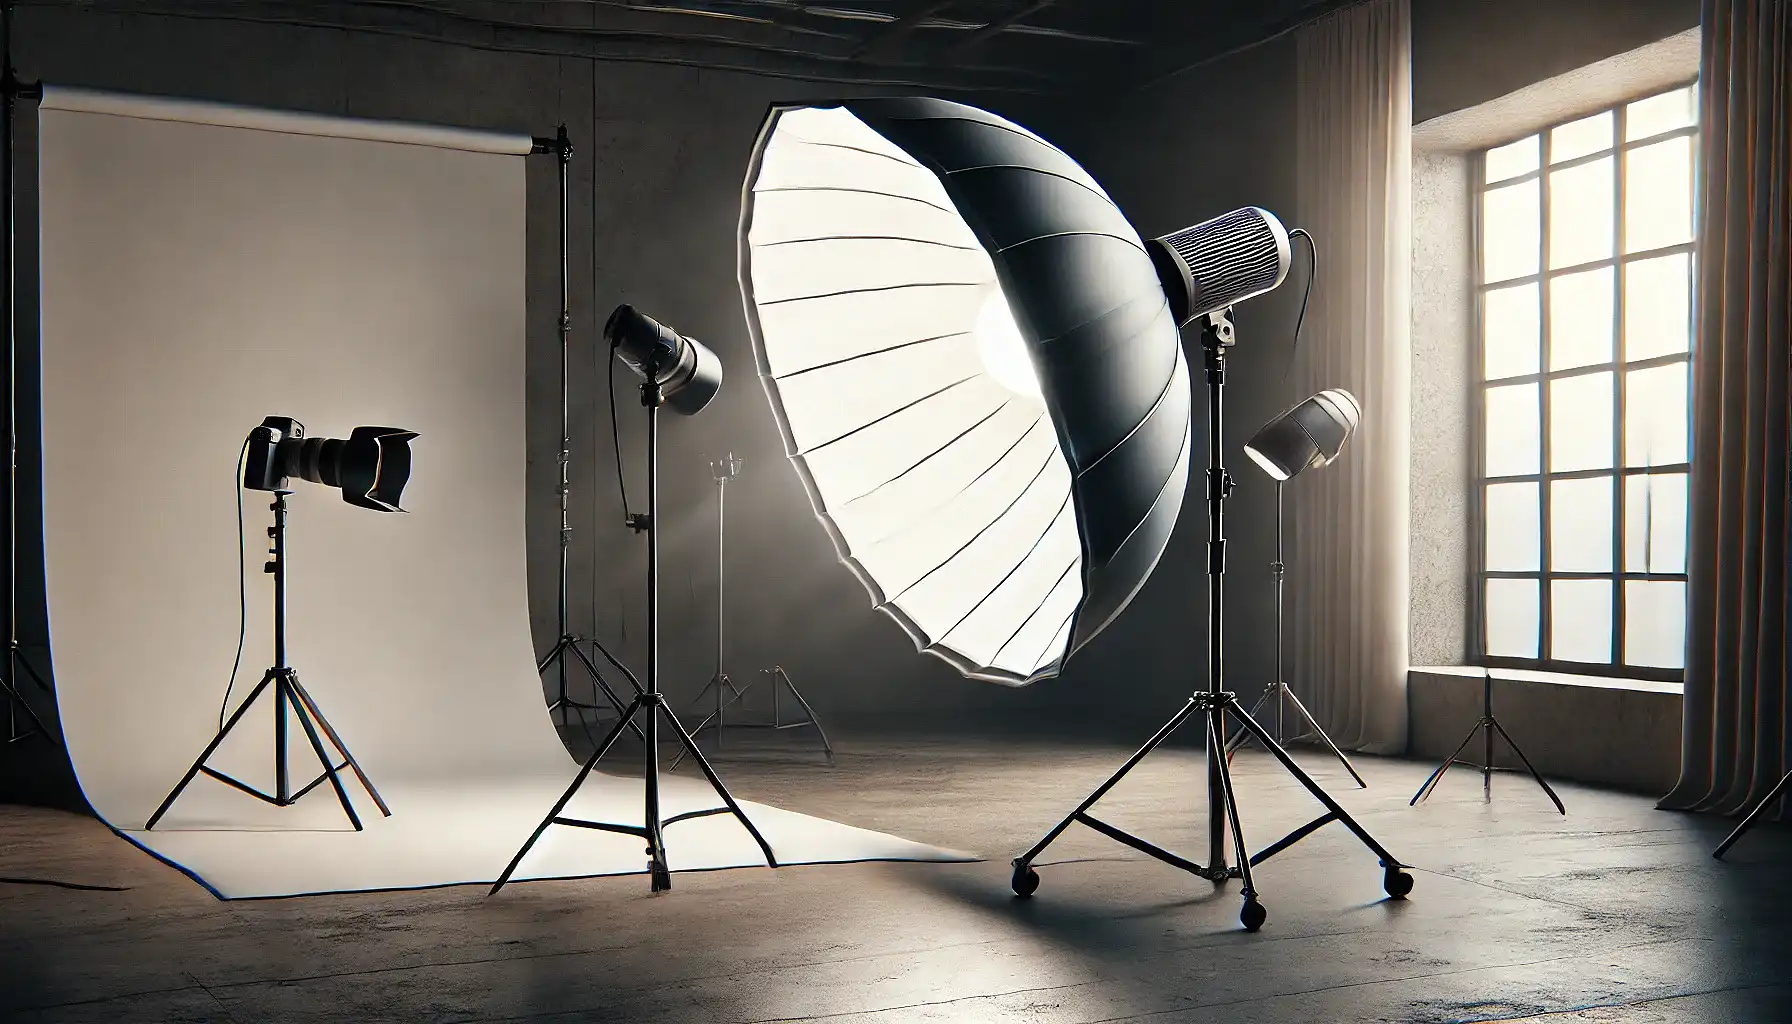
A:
(204, 267)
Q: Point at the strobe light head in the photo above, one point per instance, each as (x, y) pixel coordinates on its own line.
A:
(1220, 262)
(688, 373)
(371, 467)
(1312, 433)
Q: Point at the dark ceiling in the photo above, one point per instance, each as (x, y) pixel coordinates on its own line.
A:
(1019, 46)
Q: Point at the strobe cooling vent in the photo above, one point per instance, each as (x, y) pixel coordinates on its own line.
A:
(1222, 261)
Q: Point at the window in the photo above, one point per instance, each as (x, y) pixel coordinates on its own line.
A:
(1586, 329)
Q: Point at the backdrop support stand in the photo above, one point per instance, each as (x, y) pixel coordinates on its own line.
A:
(1213, 705)
(650, 703)
(22, 721)
(1277, 690)
(1486, 725)
(568, 644)
(1755, 814)
(721, 689)
(288, 693)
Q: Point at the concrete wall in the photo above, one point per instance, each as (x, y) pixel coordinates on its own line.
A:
(1466, 52)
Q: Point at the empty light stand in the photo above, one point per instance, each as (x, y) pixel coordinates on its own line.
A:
(22, 722)
(569, 644)
(721, 689)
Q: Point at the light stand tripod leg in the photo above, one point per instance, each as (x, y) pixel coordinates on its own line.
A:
(715, 782)
(1754, 815)
(603, 686)
(814, 720)
(305, 711)
(1388, 861)
(1239, 737)
(566, 797)
(210, 748)
(13, 696)
(1025, 879)
(309, 705)
(1527, 764)
(1323, 737)
(1432, 780)
(1252, 915)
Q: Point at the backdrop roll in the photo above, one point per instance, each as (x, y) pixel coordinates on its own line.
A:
(203, 267)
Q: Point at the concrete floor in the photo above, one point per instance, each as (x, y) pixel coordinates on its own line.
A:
(1615, 914)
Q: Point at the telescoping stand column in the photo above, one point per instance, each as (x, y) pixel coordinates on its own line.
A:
(721, 693)
(569, 644)
(22, 723)
(676, 370)
(1213, 705)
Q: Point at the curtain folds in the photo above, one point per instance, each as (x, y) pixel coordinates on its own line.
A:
(1348, 574)
(1736, 741)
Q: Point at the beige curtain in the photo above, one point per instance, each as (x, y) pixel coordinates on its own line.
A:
(1348, 579)
(1736, 735)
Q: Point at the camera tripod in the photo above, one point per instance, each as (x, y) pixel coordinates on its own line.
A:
(1213, 705)
(288, 694)
(721, 689)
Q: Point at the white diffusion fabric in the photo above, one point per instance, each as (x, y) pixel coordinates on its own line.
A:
(907, 397)
(198, 276)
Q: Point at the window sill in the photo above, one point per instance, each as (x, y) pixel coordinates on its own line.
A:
(1518, 675)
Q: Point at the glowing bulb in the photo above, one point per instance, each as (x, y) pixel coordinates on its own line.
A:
(1003, 351)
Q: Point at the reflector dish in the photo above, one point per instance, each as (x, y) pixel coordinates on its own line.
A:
(974, 368)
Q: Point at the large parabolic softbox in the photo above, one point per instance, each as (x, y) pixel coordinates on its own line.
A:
(975, 372)
(975, 369)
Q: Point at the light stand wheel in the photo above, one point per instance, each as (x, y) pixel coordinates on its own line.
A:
(1252, 915)
(1025, 881)
(1396, 883)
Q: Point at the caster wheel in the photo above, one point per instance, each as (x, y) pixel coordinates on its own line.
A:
(1025, 881)
(1253, 915)
(1397, 883)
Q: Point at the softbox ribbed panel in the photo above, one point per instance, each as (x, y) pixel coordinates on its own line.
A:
(975, 371)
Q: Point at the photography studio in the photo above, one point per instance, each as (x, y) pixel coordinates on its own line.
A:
(888, 511)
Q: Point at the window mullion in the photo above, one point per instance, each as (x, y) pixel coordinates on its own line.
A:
(1620, 453)
(1544, 595)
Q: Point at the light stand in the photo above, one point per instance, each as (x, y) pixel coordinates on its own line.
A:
(649, 702)
(568, 643)
(287, 693)
(1756, 814)
(721, 688)
(1213, 704)
(1486, 725)
(1277, 690)
(22, 722)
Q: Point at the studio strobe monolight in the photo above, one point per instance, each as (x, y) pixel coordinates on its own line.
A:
(1310, 435)
(679, 372)
(370, 468)
(976, 365)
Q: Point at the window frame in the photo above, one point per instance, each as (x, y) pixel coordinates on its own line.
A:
(1619, 473)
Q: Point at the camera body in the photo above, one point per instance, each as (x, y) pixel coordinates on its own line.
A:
(371, 467)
